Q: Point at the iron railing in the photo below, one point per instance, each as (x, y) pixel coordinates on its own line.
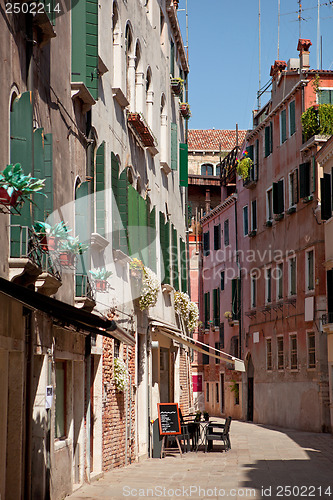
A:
(327, 318)
(83, 287)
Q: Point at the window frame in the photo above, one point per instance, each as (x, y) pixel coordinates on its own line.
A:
(226, 233)
(269, 359)
(207, 165)
(217, 236)
(279, 352)
(283, 133)
(292, 128)
(245, 220)
(268, 285)
(269, 204)
(290, 291)
(254, 279)
(307, 274)
(312, 349)
(292, 189)
(280, 280)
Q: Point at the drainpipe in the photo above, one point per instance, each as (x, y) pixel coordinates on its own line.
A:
(186, 198)
(88, 382)
(148, 354)
(28, 406)
(126, 413)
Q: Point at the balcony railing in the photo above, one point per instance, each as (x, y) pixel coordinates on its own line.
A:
(138, 123)
(83, 287)
(228, 166)
(327, 318)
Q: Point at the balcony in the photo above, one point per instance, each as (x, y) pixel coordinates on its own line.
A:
(84, 294)
(29, 263)
(142, 131)
(251, 181)
(327, 321)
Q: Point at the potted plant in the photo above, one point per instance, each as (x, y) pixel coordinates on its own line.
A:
(149, 289)
(244, 165)
(187, 310)
(197, 417)
(120, 375)
(136, 268)
(14, 185)
(184, 108)
(50, 235)
(177, 85)
(206, 416)
(228, 315)
(100, 276)
(69, 249)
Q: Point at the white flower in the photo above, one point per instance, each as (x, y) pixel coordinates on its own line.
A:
(120, 375)
(149, 289)
(187, 310)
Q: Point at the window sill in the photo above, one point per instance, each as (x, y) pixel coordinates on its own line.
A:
(61, 443)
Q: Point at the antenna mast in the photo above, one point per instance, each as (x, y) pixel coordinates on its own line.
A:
(300, 18)
(259, 100)
(278, 47)
(318, 36)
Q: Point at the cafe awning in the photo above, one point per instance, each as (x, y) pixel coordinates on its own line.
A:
(174, 334)
(84, 321)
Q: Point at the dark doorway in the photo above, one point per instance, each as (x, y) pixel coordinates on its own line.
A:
(250, 389)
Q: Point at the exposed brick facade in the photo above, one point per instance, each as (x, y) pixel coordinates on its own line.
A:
(114, 410)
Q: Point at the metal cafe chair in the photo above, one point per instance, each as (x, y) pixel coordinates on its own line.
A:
(218, 432)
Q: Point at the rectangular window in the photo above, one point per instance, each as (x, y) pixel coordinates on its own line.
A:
(116, 348)
(217, 346)
(254, 215)
(222, 281)
(217, 392)
(206, 244)
(309, 270)
(304, 180)
(293, 351)
(283, 126)
(236, 298)
(174, 146)
(245, 220)
(226, 232)
(207, 309)
(268, 285)
(253, 291)
(292, 276)
(217, 237)
(280, 281)
(269, 204)
(326, 197)
(207, 392)
(311, 350)
(205, 357)
(172, 58)
(278, 197)
(280, 353)
(293, 188)
(60, 397)
(325, 96)
(268, 139)
(269, 354)
(292, 120)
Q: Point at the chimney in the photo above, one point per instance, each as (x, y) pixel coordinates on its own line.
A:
(277, 68)
(304, 54)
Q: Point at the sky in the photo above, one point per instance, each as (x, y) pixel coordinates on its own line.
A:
(224, 53)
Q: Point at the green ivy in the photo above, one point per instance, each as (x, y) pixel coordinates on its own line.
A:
(243, 167)
(318, 122)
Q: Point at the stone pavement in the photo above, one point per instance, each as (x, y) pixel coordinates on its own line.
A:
(264, 462)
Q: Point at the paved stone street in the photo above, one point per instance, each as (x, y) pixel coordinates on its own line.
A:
(263, 463)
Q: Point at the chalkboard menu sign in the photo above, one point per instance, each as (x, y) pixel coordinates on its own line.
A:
(168, 418)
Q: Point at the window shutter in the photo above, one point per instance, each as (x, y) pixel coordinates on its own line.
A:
(83, 231)
(275, 198)
(292, 121)
(175, 270)
(21, 152)
(250, 152)
(85, 44)
(100, 187)
(206, 244)
(226, 232)
(283, 126)
(296, 199)
(267, 141)
(39, 172)
(183, 261)
(304, 179)
(152, 239)
(165, 247)
(174, 142)
(256, 172)
(222, 280)
(281, 196)
(217, 237)
(183, 164)
(115, 213)
(326, 197)
(172, 58)
(236, 296)
(143, 230)
(254, 215)
(48, 173)
(271, 137)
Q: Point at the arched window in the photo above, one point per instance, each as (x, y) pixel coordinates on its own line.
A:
(116, 49)
(207, 169)
(218, 170)
(149, 97)
(128, 49)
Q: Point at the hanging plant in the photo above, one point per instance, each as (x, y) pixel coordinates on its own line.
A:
(120, 375)
(149, 289)
(187, 310)
(244, 165)
(14, 182)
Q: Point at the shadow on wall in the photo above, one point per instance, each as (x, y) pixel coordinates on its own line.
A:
(288, 474)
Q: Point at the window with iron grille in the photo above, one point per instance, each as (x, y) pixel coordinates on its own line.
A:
(311, 350)
(268, 354)
(116, 348)
(280, 353)
(293, 351)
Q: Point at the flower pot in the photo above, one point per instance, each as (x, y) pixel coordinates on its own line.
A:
(66, 259)
(100, 285)
(49, 243)
(136, 274)
(7, 199)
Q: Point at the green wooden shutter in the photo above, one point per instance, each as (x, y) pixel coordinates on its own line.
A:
(304, 179)
(83, 231)
(267, 141)
(216, 306)
(120, 207)
(174, 143)
(85, 44)
(183, 164)
(172, 58)
(143, 231)
(21, 152)
(152, 239)
(165, 249)
(250, 152)
(175, 269)
(38, 138)
(100, 189)
(133, 223)
(122, 200)
(207, 309)
(236, 298)
(283, 126)
(48, 173)
(326, 197)
(292, 121)
(271, 137)
(183, 262)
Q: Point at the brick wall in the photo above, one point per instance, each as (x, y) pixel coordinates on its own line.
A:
(114, 410)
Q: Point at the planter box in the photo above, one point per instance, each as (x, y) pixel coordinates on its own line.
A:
(9, 200)
(66, 259)
(291, 210)
(185, 110)
(101, 285)
(49, 243)
(176, 87)
(269, 223)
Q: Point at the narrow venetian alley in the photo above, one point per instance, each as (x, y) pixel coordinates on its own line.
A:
(264, 462)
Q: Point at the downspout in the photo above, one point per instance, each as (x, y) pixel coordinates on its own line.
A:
(186, 207)
(88, 413)
(28, 404)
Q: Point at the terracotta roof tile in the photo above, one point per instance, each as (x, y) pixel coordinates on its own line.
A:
(213, 140)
